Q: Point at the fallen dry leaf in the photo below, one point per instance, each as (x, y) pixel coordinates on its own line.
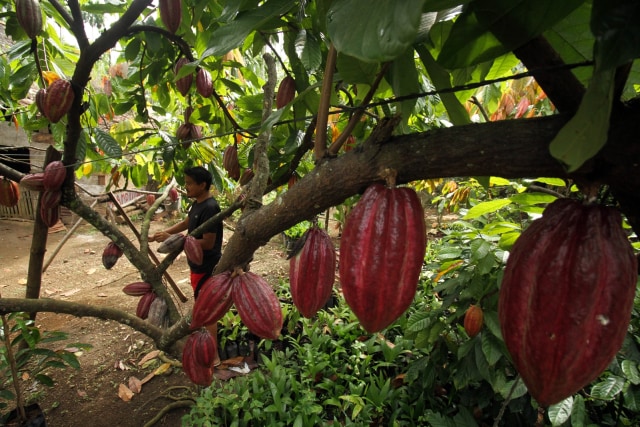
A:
(147, 378)
(91, 271)
(151, 355)
(22, 282)
(162, 369)
(124, 393)
(135, 385)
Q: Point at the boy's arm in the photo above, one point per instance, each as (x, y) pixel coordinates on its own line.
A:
(207, 241)
(161, 236)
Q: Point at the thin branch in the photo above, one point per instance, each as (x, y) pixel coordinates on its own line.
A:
(62, 11)
(77, 25)
(320, 146)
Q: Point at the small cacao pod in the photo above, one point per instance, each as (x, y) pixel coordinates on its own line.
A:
(193, 250)
(197, 373)
(286, 92)
(173, 194)
(110, 255)
(204, 85)
(29, 17)
(175, 242)
(171, 14)
(230, 161)
(566, 297)
(184, 131)
(137, 289)
(312, 272)
(183, 83)
(247, 175)
(54, 175)
(50, 216)
(213, 301)
(33, 181)
(473, 320)
(195, 131)
(293, 179)
(151, 199)
(58, 100)
(144, 304)
(257, 305)
(350, 143)
(381, 254)
(205, 348)
(9, 193)
(157, 312)
(50, 199)
(41, 95)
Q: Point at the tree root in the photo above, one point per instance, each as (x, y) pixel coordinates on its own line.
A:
(171, 406)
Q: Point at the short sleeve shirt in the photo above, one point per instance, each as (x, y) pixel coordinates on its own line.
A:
(199, 214)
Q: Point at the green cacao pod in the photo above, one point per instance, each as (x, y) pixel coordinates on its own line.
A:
(29, 17)
(9, 193)
(110, 255)
(257, 305)
(175, 242)
(204, 85)
(213, 300)
(54, 175)
(197, 373)
(381, 254)
(144, 304)
(566, 297)
(230, 161)
(312, 272)
(286, 92)
(193, 250)
(58, 100)
(137, 289)
(33, 181)
(473, 320)
(171, 14)
(183, 84)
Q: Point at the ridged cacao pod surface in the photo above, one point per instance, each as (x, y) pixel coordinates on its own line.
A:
(246, 177)
(137, 289)
(9, 193)
(184, 131)
(230, 161)
(144, 304)
(204, 85)
(157, 312)
(312, 272)
(381, 254)
(286, 92)
(41, 95)
(54, 175)
(473, 320)
(175, 242)
(198, 374)
(205, 348)
(173, 194)
(257, 305)
(33, 181)
(213, 301)
(58, 100)
(110, 255)
(171, 14)
(183, 83)
(193, 250)
(150, 199)
(50, 199)
(29, 17)
(50, 216)
(566, 297)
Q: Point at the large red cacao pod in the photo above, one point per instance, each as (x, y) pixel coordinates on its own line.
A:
(137, 289)
(381, 254)
(54, 175)
(175, 242)
(204, 84)
(230, 161)
(50, 216)
(473, 320)
(197, 373)
(33, 181)
(58, 100)
(183, 83)
(193, 250)
(50, 199)
(9, 193)
(204, 347)
(110, 255)
(29, 17)
(171, 14)
(213, 301)
(566, 297)
(257, 305)
(144, 304)
(286, 92)
(312, 272)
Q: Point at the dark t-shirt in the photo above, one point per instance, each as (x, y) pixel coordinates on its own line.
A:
(198, 214)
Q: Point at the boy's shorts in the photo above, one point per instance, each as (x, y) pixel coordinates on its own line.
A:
(195, 279)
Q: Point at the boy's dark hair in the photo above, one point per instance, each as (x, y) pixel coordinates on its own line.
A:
(199, 175)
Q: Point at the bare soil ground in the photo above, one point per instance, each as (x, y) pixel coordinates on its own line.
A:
(90, 396)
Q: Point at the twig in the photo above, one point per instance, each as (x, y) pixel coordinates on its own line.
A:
(496, 422)
(320, 146)
(169, 407)
(14, 369)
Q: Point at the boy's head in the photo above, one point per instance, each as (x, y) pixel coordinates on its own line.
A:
(199, 175)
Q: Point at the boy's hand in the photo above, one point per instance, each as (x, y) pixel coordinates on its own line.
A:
(159, 236)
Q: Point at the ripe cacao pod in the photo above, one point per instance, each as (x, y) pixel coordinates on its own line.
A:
(54, 175)
(9, 193)
(50, 216)
(230, 161)
(33, 181)
(293, 179)
(350, 143)
(173, 194)
(58, 100)
(381, 254)
(151, 199)
(29, 17)
(110, 255)
(157, 312)
(198, 374)
(204, 347)
(137, 289)
(195, 131)
(184, 131)
(144, 304)
(41, 95)
(473, 320)
(193, 250)
(213, 301)
(566, 297)
(312, 272)
(204, 85)
(171, 14)
(257, 305)
(247, 175)
(50, 199)
(286, 92)
(175, 242)
(183, 83)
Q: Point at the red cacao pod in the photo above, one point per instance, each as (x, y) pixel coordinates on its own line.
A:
(41, 95)
(187, 113)
(566, 297)
(381, 254)
(204, 347)
(144, 304)
(50, 199)
(110, 255)
(171, 14)
(137, 289)
(183, 83)
(50, 216)
(286, 92)
(9, 193)
(175, 242)
(184, 131)
(312, 272)
(195, 131)
(151, 199)
(293, 179)
(350, 143)
(198, 374)
(473, 320)
(213, 301)
(173, 194)
(230, 161)
(247, 175)
(33, 181)
(257, 305)
(29, 17)
(58, 100)
(157, 312)
(204, 85)
(193, 250)
(54, 175)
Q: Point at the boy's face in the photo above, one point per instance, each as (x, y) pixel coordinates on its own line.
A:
(194, 189)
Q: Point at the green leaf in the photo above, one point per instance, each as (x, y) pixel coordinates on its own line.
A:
(7, 395)
(108, 144)
(560, 412)
(484, 208)
(632, 398)
(45, 379)
(579, 412)
(586, 133)
(508, 389)
(308, 50)
(354, 71)
(492, 323)
(608, 389)
(616, 26)
(630, 370)
(382, 31)
(491, 348)
(532, 198)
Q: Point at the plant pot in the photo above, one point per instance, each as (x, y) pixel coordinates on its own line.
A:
(35, 417)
